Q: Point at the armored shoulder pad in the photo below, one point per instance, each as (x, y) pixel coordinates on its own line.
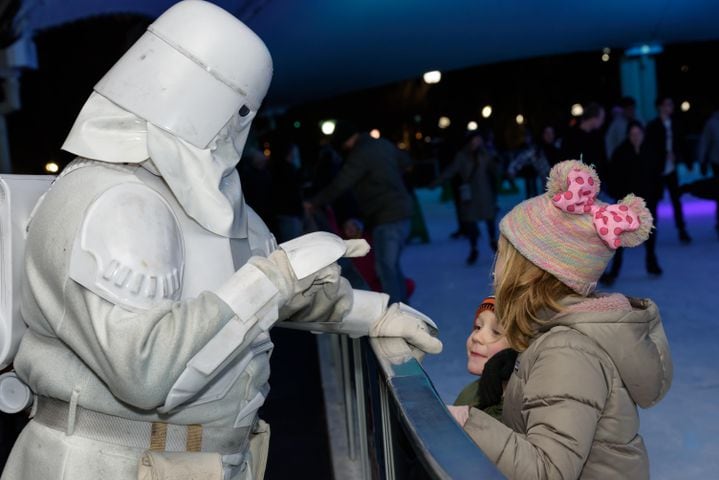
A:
(130, 249)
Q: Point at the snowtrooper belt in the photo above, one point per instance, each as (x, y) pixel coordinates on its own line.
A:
(157, 436)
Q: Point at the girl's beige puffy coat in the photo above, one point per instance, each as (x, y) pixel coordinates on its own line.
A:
(570, 408)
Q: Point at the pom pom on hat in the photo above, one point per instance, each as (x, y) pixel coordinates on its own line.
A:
(638, 206)
(557, 181)
(569, 232)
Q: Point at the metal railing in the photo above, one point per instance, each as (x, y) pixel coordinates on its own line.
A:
(397, 425)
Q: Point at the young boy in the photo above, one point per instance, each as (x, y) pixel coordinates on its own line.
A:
(489, 356)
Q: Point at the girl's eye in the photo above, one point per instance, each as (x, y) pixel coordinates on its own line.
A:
(496, 333)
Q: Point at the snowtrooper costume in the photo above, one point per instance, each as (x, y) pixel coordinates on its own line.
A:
(150, 287)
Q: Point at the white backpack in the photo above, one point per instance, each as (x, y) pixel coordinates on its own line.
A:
(18, 196)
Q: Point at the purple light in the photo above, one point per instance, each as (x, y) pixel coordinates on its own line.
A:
(692, 207)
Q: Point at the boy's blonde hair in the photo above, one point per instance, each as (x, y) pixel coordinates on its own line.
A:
(522, 292)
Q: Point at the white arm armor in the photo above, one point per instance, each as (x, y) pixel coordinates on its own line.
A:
(256, 302)
(367, 308)
(130, 249)
(310, 253)
(254, 299)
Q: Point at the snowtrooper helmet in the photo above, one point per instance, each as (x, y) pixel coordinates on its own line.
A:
(179, 77)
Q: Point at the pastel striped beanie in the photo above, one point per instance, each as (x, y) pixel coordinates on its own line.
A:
(569, 233)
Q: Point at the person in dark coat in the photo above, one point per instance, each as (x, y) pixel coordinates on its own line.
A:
(477, 168)
(624, 176)
(372, 170)
(548, 146)
(256, 181)
(585, 141)
(285, 163)
(708, 154)
(663, 144)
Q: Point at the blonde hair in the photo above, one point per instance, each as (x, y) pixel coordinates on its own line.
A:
(523, 291)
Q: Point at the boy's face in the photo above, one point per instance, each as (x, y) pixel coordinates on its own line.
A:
(485, 340)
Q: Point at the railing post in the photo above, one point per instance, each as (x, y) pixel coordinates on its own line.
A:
(347, 389)
(389, 464)
(360, 402)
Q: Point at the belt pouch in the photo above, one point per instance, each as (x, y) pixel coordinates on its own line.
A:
(180, 466)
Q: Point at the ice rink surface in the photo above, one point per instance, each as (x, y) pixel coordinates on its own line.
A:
(682, 431)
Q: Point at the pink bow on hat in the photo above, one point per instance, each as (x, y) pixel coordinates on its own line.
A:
(610, 221)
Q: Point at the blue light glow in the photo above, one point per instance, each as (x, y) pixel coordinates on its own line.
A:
(644, 49)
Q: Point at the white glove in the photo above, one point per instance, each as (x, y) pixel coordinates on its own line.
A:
(305, 272)
(403, 321)
(320, 296)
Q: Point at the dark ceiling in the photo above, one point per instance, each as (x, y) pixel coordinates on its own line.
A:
(323, 48)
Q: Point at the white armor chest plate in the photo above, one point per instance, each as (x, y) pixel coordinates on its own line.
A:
(209, 261)
(209, 258)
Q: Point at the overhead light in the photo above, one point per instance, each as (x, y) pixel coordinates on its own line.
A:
(427, 139)
(432, 77)
(486, 111)
(418, 135)
(267, 152)
(471, 126)
(577, 110)
(444, 122)
(605, 57)
(52, 167)
(374, 133)
(297, 124)
(519, 119)
(685, 106)
(328, 127)
(644, 49)
(402, 146)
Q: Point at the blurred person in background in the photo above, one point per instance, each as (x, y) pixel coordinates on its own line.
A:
(663, 142)
(373, 171)
(709, 152)
(548, 146)
(445, 148)
(256, 181)
(624, 177)
(285, 164)
(619, 126)
(332, 215)
(530, 164)
(584, 141)
(478, 169)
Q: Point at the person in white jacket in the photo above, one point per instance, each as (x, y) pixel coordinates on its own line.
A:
(150, 286)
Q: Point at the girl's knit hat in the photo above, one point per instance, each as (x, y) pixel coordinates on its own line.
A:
(569, 233)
